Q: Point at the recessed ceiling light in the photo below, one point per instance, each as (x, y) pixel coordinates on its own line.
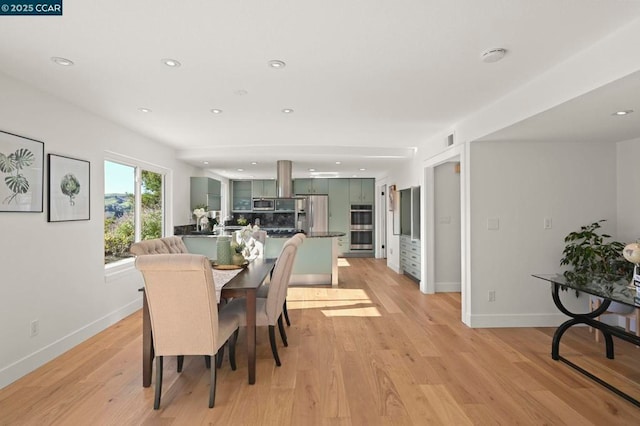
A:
(312, 170)
(493, 55)
(241, 92)
(277, 64)
(172, 63)
(62, 61)
(145, 110)
(287, 110)
(363, 169)
(625, 112)
(216, 111)
(205, 162)
(241, 170)
(253, 163)
(338, 162)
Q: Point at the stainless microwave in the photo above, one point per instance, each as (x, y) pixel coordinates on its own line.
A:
(264, 204)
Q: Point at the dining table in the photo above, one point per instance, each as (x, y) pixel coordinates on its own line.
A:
(243, 284)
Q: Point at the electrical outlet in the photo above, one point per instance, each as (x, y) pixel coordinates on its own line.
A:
(548, 223)
(492, 295)
(35, 328)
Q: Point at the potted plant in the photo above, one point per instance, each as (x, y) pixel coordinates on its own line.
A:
(592, 258)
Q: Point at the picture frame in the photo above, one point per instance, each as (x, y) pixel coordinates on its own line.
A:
(69, 189)
(21, 173)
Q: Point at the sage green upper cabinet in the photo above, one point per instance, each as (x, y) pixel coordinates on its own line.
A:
(205, 192)
(310, 186)
(264, 188)
(362, 191)
(241, 195)
(339, 215)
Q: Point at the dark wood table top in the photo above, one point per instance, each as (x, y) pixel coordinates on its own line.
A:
(252, 276)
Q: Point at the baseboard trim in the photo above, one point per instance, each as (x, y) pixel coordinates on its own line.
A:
(26, 365)
(310, 279)
(448, 287)
(516, 320)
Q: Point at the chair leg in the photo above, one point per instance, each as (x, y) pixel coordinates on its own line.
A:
(212, 389)
(283, 334)
(274, 349)
(156, 402)
(286, 313)
(232, 349)
(207, 361)
(219, 356)
(180, 363)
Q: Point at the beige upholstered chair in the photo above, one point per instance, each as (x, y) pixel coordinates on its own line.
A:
(297, 239)
(164, 245)
(184, 313)
(269, 310)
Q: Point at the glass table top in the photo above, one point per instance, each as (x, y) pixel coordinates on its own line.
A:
(619, 291)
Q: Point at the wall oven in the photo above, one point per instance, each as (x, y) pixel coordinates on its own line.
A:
(361, 227)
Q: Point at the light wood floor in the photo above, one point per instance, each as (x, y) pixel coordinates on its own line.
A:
(374, 351)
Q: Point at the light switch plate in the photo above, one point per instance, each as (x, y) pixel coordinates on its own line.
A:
(493, 224)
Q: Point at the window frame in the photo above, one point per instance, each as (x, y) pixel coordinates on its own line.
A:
(121, 266)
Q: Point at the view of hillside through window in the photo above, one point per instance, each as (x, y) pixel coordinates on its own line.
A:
(124, 221)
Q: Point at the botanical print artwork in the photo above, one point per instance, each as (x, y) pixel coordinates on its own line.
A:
(68, 189)
(70, 186)
(13, 164)
(21, 173)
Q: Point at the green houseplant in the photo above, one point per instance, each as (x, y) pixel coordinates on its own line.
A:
(592, 257)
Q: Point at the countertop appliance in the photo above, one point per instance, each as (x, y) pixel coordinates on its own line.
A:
(263, 204)
(313, 213)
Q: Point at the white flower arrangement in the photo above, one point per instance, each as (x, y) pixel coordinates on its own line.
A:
(199, 213)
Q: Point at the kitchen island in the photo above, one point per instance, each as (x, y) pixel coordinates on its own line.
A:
(316, 261)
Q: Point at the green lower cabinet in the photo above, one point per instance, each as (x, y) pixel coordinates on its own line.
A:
(339, 211)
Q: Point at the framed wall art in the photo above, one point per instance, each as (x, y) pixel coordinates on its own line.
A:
(69, 196)
(21, 173)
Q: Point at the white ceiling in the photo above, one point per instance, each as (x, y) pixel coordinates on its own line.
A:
(368, 80)
(586, 118)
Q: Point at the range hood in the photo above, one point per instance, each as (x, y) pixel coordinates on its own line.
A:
(284, 182)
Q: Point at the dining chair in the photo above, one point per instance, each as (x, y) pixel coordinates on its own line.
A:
(297, 239)
(184, 312)
(269, 309)
(166, 245)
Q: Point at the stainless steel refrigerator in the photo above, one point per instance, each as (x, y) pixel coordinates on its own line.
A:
(313, 213)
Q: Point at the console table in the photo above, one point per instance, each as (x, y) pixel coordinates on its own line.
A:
(610, 291)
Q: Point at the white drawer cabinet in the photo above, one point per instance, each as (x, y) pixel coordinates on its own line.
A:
(410, 256)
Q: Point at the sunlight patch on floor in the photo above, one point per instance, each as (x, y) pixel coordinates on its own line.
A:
(326, 293)
(334, 302)
(370, 311)
(343, 262)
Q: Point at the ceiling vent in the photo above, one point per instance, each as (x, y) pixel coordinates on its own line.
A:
(450, 140)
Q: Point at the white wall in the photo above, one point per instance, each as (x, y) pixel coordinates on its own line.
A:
(447, 227)
(628, 184)
(521, 184)
(54, 272)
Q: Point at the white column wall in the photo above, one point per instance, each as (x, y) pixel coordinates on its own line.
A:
(519, 185)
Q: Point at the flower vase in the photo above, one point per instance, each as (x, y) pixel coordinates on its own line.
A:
(237, 259)
(223, 250)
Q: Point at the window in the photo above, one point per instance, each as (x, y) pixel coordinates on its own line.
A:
(133, 207)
